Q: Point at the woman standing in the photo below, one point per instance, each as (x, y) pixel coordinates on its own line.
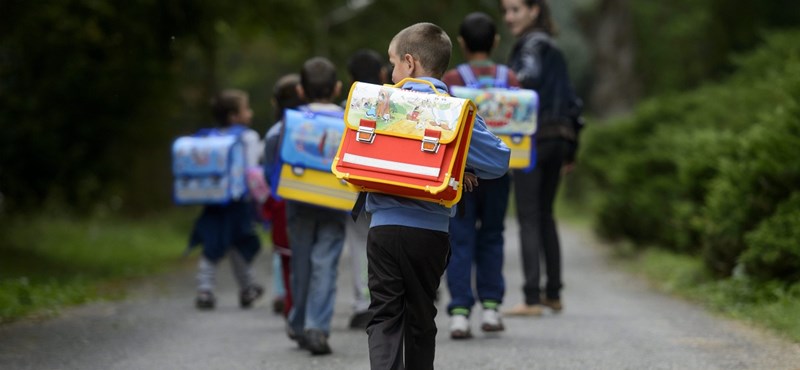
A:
(540, 66)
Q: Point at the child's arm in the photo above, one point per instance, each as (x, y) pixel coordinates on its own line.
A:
(271, 151)
(488, 156)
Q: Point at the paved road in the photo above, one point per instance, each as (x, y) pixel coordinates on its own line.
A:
(611, 321)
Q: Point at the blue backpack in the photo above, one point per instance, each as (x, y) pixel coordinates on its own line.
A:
(209, 167)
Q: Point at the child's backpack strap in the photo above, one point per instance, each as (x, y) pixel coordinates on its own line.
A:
(466, 74)
(501, 76)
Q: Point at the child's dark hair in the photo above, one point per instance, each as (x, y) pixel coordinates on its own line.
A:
(426, 42)
(225, 103)
(478, 32)
(285, 94)
(544, 22)
(318, 78)
(365, 65)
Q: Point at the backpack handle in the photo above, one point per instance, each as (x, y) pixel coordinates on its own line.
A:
(417, 80)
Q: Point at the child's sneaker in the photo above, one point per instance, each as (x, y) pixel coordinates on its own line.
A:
(249, 295)
(491, 321)
(459, 327)
(205, 300)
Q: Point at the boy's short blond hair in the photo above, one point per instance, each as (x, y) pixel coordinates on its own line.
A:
(426, 42)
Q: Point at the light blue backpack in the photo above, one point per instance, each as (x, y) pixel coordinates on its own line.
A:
(209, 167)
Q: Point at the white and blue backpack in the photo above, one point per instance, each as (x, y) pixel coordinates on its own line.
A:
(509, 112)
(209, 167)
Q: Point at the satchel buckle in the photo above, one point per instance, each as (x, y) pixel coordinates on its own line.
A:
(430, 141)
(366, 131)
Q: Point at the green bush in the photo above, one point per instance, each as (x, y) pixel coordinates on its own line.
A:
(751, 184)
(698, 171)
(773, 250)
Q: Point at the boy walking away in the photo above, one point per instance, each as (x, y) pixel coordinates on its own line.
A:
(228, 229)
(316, 234)
(408, 245)
(363, 66)
(476, 233)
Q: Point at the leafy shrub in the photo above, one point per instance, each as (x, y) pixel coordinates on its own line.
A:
(773, 250)
(698, 171)
(751, 184)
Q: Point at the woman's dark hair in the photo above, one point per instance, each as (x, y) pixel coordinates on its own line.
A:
(544, 22)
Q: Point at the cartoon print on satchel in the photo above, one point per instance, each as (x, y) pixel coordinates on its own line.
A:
(404, 142)
(209, 167)
(509, 112)
(309, 143)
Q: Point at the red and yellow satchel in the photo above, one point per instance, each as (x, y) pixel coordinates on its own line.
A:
(406, 143)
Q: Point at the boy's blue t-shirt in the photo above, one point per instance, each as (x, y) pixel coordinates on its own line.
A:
(487, 157)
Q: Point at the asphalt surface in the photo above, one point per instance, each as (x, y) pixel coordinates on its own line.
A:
(611, 321)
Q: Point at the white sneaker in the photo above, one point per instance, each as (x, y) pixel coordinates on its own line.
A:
(491, 321)
(459, 327)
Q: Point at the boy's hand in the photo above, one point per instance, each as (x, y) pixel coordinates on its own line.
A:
(470, 181)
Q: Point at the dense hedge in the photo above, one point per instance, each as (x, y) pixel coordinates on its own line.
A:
(710, 171)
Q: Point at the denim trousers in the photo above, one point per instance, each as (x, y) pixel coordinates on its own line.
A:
(316, 235)
(476, 242)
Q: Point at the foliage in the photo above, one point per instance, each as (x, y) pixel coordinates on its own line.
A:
(698, 171)
(53, 261)
(772, 247)
(682, 44)
(93, 91)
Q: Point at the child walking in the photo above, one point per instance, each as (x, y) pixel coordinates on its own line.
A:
(476, 233)
(316, 234)
(228, 229)
(284, 96)
(408, 244)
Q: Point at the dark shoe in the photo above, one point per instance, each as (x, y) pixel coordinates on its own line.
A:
(277, 305)
(317, 342)
(205, 300)
(360, 320)
(553, 304)
(249, 295)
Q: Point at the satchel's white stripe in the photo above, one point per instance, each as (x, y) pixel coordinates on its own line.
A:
(391, 165)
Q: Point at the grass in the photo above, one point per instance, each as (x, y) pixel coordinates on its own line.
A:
(49, 262)
(772, 305)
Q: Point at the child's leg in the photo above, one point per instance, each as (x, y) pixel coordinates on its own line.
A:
(493, 195)
(249, 290)
(356, 241)
(242, 270)
(278, 290)
(206, 275)
(299, 221)
(324, 265)
(459, 270)
(286, 270)
(405, 268)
